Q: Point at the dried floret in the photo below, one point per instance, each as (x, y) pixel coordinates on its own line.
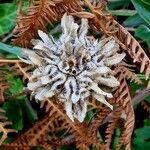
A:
(73, 67)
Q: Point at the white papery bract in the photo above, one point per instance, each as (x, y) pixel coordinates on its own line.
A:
(73, 67)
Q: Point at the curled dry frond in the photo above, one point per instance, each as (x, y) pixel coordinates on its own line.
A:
(111, 126)
(124, 99)
(40, 12)
(73, 67)
(105, 22)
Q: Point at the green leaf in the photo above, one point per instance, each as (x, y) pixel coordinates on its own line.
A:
(136, 86)
(10, 49)
(133, 21)
(123, 12)
(113, 4)
(16, 84)
(116, 138)
(143, 9)
(11, 56)
(146, 2)
(30, 112)
(147, 122)
(14, 114)
(143, 32)
(7, 17)
(143, 132)
(148, 99)
(142, 136)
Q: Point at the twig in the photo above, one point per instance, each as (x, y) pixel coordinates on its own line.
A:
(25, 74)
(9, 61)
(140, 96)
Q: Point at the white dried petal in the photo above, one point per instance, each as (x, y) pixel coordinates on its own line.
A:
(102, 70)
(32, 57)
(27, 61)
(34, 85)
(47, 41)
(68, 108)
(41, 94)
(110, 48)
(49, 94)
(45, 79)
(35, 41)
(95, 88)
(73, 67)
(114, 59)
(80, 111)
(102, 99)
(108, 81)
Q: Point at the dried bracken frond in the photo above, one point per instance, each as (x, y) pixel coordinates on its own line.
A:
(34, 136)
(22, 69)
(78, 131)
(104, 22)
(39, 14)
(45, 131)
(124, 99)
(4, 124)
(73, 67)
(128, 73)
(136, 52)
(112, 125)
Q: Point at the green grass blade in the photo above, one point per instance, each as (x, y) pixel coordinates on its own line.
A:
(10, 49)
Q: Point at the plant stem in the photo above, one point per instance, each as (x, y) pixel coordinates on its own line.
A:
(140, 96)
(9, 61)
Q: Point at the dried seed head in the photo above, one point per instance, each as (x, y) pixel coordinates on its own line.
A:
(73, 67)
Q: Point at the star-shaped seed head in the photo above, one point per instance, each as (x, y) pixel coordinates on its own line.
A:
(73, 67)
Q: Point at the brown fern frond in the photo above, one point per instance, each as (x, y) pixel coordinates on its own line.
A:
(125, 100)
(4, 126)
(103, 113)
(40, 13)
(35, 134)
(135, 50)
(46, 146)
(111, 126)
(78, 132)
(129, 74)
(94, 103)
(125, 138)
(22, 69)
(107, 25)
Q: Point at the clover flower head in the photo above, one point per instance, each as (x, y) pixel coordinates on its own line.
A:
(73, 67)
